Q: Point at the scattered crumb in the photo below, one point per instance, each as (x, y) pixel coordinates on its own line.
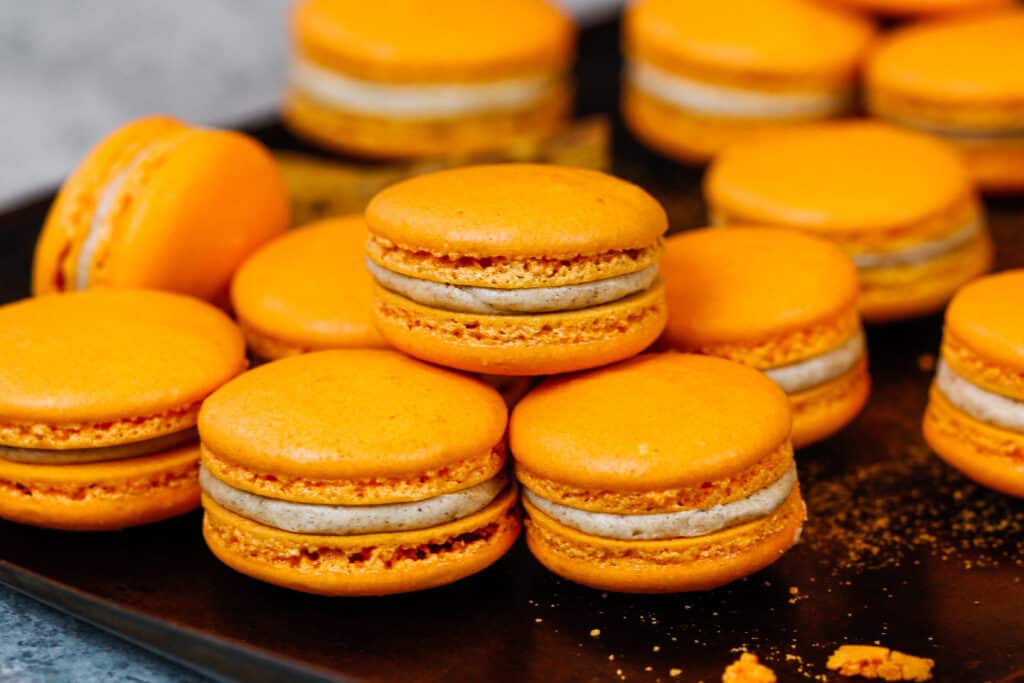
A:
(595, 633)
(747, 669)
(675, 673)
(611, 658)
(538, 620)
(926, 362)
(656, 648)
(872, 661)
(648, 668)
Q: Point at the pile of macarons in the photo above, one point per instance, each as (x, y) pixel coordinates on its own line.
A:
(383, 402)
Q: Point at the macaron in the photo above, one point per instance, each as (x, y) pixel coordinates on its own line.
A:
(962, 80)
(918, 9)
(517, 269)
(161, 205)
(356, 472)
(975, 417)
(101, 393)
(900, 203)
(424, 78)
(702, 74)
(663, 473)
(782, 302)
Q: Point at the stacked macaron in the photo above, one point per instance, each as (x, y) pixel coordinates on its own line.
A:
(428, 77)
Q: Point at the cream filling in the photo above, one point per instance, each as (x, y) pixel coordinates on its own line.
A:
(816, 371)
(416, 101)
(719, 100)
(923, 252)
(491, 301)
(684, 524)
(981, 404)
(349, 520)
(46, 456)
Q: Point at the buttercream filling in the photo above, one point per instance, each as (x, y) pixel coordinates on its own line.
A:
(684, 524)
(418, 101)
(921, 252)
(348, 520)
(491, 301)
(706, 98)
(137, 449)
(981, 404)
(815, 371)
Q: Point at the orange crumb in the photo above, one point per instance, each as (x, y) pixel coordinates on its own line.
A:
(675, 673)
(747, 669)
(926, 362)
(595, 632)
(871, 661)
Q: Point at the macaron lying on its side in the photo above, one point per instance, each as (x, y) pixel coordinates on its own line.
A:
(161, 205)
(356, 472)
(101, 393)
(517, 269)
(779, 301)
(975, 418)
(663, 473)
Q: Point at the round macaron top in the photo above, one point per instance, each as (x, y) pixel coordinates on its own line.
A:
(517, 210)
(654, 422)
(416, 40)
(986, 316)
(104, 355)
(797, 39)
(843, 177)
(310, 287)
(352, 414)
(748, 284)
(976, 60)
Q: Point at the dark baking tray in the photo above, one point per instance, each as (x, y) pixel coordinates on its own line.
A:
(899, 549)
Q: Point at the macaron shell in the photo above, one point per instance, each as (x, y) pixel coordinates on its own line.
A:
(523, 344)
(985, 317)
(101, 496)
(824, 410)
(664, 566)
(357, 565)
(434, 40)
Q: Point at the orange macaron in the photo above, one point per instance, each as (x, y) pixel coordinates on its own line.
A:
(421, 78)
(101, 395)
(663, 473)
(779, 301)
(356, 472)
(900, 203)
(702, 74)
(975, 418)
(161, 205)
(963, 80)
(517, 269)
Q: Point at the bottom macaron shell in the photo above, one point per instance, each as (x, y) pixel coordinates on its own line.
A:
(893, 293)
(664, 566)
(523, 344)
(989, 455)
(380, 137)
(824, 410)
(102, 496)
(370, 564)
(997, 167)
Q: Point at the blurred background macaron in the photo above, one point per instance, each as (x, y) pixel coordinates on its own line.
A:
(779, 301)
(101, 394)
(422, 78)
(962, 80)
(900, 203)
(975, 418)
(703, 73)
(162, 205)
(517, 269)
(663, 473)
(356, 472)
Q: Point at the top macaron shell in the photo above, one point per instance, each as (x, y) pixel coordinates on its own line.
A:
(434, 40)
(986, 316)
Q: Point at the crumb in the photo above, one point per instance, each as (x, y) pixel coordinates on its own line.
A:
(595, 632)
(747, 669)
(675, 673)
(538, 620)
(611, 658)
(648, 668)
(880, 662)
(656, 648)
(926, 362)
(793, 590)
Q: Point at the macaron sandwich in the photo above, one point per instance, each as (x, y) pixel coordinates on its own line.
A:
(422, 78)
(159, 204)
(356, 472)
(101, 396)
(663, 473)
(779, 301)
(900, 203)
(517, 269)
(701, 74)
(975, 418)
